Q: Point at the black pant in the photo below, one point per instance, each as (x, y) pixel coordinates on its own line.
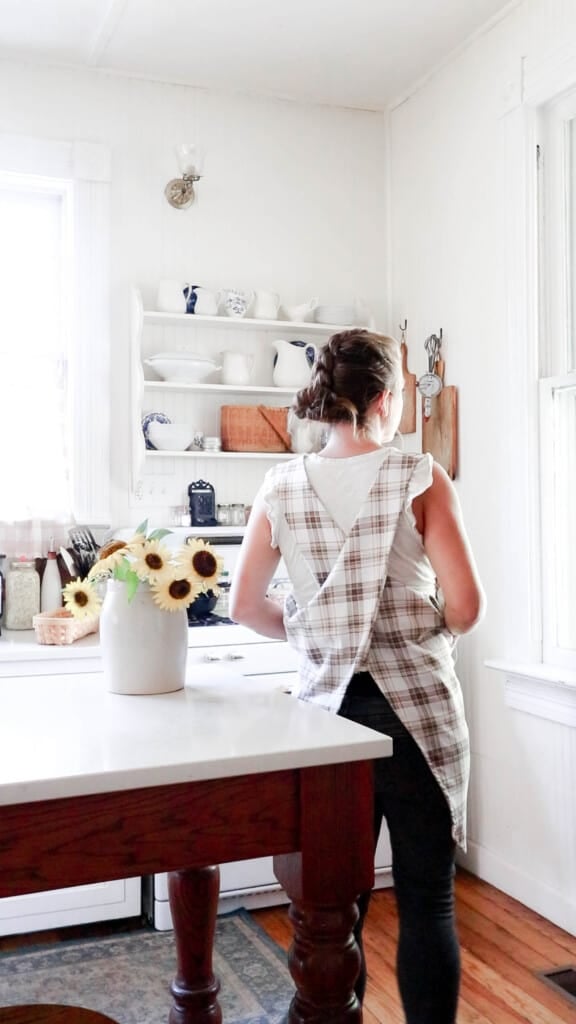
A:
(418, 818)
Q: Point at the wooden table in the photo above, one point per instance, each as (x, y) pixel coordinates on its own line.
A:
(96, 786)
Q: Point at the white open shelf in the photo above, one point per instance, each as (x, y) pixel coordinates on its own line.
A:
(275, 456)
(189, 319)
(235, 389)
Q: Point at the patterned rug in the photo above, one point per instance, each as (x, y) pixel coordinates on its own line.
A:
(128, 976)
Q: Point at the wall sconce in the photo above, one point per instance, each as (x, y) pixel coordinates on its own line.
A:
(180, 191)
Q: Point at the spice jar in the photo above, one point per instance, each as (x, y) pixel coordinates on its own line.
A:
(22, 594)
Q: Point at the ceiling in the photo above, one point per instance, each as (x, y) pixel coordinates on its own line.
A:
(363, 54)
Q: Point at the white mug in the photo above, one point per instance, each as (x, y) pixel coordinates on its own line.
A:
(170, 297)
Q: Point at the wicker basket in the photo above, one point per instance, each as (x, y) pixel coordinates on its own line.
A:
(254, 428)
(60, 627)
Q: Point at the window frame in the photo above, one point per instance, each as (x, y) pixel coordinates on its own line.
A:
(85, 168)
(557, 340)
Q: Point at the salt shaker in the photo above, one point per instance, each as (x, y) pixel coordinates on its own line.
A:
(22, 594)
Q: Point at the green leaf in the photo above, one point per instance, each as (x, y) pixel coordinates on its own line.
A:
(132, 582)
(120, 571)
(158, 534)
(143, 528)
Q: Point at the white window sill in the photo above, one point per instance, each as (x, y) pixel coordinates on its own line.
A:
(537, 689)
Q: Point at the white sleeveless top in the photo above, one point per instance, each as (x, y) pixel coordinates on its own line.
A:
(342, 486)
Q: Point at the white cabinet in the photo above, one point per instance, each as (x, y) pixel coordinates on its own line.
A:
(199, 404)
(79, 904)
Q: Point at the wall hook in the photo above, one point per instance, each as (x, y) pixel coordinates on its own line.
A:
(403, 327)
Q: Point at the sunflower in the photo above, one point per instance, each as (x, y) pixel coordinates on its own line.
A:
(199, 561)
(173, 594)
(152, 561)
(81, 599)
(105, 566)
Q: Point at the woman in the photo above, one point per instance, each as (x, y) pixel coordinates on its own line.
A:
(383, 582)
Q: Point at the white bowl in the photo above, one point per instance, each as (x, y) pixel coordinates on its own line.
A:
(182, 367)
(304, 312)
(170, 437)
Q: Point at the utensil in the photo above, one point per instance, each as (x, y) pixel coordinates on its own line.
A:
(84, 547)
(408, 421)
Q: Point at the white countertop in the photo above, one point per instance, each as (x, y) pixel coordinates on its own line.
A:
(66, 735)
(21, 645)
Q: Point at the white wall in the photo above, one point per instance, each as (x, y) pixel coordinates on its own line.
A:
(292, 200)
(452, 207)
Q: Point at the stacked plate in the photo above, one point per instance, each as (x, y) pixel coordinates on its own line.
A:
(342, 316)
(212, 444)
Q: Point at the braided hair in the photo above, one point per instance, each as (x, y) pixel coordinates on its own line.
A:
(350, 371)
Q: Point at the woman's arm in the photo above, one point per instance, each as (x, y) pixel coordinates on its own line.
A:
(252, 576)
(439, 520)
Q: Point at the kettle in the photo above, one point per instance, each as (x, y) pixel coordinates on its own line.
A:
(293, 363)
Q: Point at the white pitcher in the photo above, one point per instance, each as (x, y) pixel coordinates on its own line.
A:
(293, 363)
(236, 368)
(266, 305)
(206, 302)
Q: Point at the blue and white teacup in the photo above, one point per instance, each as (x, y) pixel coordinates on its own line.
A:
(235, 302)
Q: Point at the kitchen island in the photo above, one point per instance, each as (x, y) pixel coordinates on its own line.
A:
(95, 785)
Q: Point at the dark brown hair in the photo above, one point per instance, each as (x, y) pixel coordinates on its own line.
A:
(350, 371)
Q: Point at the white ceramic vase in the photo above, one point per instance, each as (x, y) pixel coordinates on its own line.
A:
(143, 648)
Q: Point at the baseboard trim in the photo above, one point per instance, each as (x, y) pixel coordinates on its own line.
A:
(543, 899)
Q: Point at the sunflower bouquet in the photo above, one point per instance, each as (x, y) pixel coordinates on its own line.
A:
(175, 578)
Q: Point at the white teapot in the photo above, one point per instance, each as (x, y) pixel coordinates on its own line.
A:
(293, 363)
(266, 305)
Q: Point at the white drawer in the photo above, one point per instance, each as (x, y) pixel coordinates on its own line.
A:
(248, 659)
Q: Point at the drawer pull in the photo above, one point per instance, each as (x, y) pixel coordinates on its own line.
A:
(232, 656)
(211, 657)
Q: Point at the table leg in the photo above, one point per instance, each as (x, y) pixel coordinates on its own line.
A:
(323, 881)
(324, 961)
(194, 903)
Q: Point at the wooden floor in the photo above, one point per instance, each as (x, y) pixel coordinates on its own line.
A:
(503, 946)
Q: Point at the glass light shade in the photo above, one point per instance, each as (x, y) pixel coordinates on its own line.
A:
(190, 159)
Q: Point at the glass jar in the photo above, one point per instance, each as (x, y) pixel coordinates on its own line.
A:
(22, 594)
(237, 515)
(224, 515)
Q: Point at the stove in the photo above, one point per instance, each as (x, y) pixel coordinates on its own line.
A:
(210, 619)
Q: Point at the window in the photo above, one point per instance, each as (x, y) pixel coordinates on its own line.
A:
(54, 330)
(558, 379)
(35, 270)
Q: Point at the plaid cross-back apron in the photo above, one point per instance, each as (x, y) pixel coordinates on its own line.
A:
(358, 620)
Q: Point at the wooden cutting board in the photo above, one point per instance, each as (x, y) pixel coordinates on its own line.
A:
(440, 428)
(408, 421)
